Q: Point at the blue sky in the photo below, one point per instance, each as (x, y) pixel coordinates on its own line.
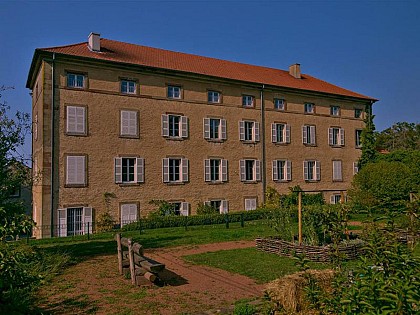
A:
(370, 47)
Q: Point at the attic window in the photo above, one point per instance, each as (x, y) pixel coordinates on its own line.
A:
(75, 80)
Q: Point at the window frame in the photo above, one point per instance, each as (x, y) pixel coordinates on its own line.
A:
(311, 139)
(130, 220)
(358, 113)
(138, 170)
(211, 98)
(285, 133)
(286, 170)
(244, 168)
(75, 132)
(307, 106)
(222, 172)
(171, 92)
(276, 101)
(127, 91)
(182, 127)
(77, 182)
(337, 170)
(207, 129)
(183, 170)
(76, 75)
(250, 203)
(358, 138)
(128, 134)
(248, 101)
(315, 170)
(255, 130)
(336, 137)
(335, 111)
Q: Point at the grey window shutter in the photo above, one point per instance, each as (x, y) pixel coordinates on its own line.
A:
(87, 219)
(355, 168)
(256, 131)
(224, 165)
(224, 206)
(140, 170)
(341, 136)
(304, 134)
(288, 170)
(71, 170)
(184, 125)
(125, 214)
(62, 222)
(118, 170)
(207, 177)
(305, 170)
(318, 170)
(242, 170)
(185, 209)
(275, 171)
(337, 170)
(125, 122)
(206, 128)
(165, 125)
(257, 170)
(332, 199)
(184, 165)
(165, 170)
(223, 129)
(287, 129)
(330, 136)
(313, 135)
(274, 133)
(71, 119)
(242, 131)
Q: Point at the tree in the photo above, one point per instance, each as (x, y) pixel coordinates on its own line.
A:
(369, 152)
(402, 135)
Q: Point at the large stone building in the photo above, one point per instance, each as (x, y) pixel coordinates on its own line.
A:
(140, 123)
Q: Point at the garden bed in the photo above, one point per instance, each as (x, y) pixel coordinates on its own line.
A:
(314, 253)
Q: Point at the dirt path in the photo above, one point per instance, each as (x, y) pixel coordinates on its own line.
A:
(95, 287)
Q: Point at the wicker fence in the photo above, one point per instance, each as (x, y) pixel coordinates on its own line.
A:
(314, 253)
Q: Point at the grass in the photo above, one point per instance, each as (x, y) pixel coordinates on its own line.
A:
(258, 265)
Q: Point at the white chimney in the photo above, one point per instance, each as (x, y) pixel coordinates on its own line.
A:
(94, 42)
(294, 71)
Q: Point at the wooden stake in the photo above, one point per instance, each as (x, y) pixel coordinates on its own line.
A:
(131, 258)
(119, 253)
(300, 216)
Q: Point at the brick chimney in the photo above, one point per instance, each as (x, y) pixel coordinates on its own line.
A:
(94, 42)
(294, 70)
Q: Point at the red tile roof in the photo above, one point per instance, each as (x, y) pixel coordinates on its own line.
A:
(158, 58)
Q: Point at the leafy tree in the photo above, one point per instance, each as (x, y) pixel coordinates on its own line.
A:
(402, 135)
(369, 152)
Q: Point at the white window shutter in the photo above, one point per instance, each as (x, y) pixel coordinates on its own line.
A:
(247, 204)
(185, 209)
(165, 170)
(76, 169)
(71, 118)
(287, 131)
(257, 170)
(275, 171)
(80, 119)
(330, 136)
(224, 207)
(224, 166)
(337, 170)
(242, 131)
(274, 133)
(71, 170)
(118, 170)
(207, 177)
(87, 219)
(304, 134)
(341, 136)
(125, 214)
(132, 123)
(305, 170)
(288, 170)
(132, 216)
(242, 170)
(256, 131)
(332, 199)
(184, 126)
(253, 204)
(62, 222)
(140, 170)
(223, 129)
(355, 168)
(165, 125)
(317, 170)
(313, 134)
(206, 128)
(184, 166)
(125, 122)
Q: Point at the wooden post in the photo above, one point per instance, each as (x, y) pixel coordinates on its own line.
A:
(131, 258)
(300, 216)
(119, 253)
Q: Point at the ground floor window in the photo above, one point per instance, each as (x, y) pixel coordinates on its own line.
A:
(74, 221)
(128, 213)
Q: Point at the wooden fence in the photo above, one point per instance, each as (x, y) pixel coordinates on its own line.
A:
(142, 270)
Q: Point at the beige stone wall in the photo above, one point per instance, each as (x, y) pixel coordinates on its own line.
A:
(103, 142)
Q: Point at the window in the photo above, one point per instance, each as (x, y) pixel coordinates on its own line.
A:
(15, 192)
(128, 213)
(358, 138)
(249, 131)
(336, 136)
(174, 92)
(175, 170)
(279, 104)
(280, 133)
(129, 123)
(129, 170)
(174, 126)
(250, 170)
(128, 87)
(311, 170)
(337, 174)
(358, 113)
(214, 129)
(309, 108)
(309, 135)
(247, 101)
(76, 120)
(222, 206)
(355, 168)
(282, 170)
(74, 221)
(335, 111)
(76, 80)
(250, 204)
(335, 199)
(76, 170)
(181, 208)
(215, 170)
(213, 97)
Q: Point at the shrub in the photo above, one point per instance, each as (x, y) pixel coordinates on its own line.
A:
(203, 208)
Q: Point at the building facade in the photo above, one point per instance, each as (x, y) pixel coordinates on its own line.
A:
(140, 124)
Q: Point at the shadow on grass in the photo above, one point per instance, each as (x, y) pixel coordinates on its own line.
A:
(76, 305)
(170, 278)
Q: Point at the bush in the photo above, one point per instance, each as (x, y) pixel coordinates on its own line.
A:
(203, 208)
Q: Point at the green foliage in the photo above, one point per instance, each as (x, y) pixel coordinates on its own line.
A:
(369, 152)
(164, 208)
(244, 309)
(105, 222)
(400, 136)
(203, 208)
(307, 199)
(283, 220)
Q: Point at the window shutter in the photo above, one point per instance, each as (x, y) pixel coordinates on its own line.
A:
(185, 209)
(330, 136)
(71, 170)
(341, 136)
(133, 123)
(275, 171)
(140, 170)
(80, 119)
(355, 168)
(206, 128)
(71, 119)
(305, 170)
(253, 204)
(207, 170)
(287, 131)
(247, 204)
(318, 170)
(118, 170)
(165, 172)
(313, 133)
(125, 214)
(184, 126)
(242, 130)
(332, 199)
(223, 129)
(87, 219)
(337, 170)
(165, 125)
(62, 222)
(256, 131)
(132, 216)
(128, 123)
(184, 165)
(304, 134)
(224, 165)
(76, 168)
(288, 170)
(224, 207)
(274, 133)
(242, 170)
(257, 170)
